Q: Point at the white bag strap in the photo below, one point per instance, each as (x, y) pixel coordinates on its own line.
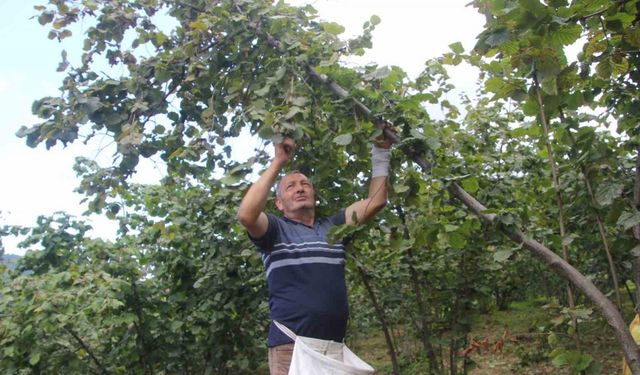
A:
(285, 330)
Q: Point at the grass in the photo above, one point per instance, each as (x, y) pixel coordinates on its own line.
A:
(526, 349)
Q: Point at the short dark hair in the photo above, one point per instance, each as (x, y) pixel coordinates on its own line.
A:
(295, 171)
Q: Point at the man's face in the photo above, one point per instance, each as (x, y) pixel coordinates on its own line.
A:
(296, 193)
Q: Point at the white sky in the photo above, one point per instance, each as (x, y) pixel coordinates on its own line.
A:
(39, 182)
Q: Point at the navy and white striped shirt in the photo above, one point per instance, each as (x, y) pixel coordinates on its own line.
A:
(305, 278)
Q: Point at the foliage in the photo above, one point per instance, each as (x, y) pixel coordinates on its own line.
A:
(176, 297)
(181, 289)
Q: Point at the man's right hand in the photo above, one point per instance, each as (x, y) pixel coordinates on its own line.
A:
(284, 151)
(250, 212)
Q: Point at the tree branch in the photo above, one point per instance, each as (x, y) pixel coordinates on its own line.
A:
(88, 350)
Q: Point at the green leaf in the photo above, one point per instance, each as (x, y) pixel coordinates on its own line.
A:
(548, 66)
(34, 358)
(550, 86)
(375, 20)
(534, 6)
(173, 116)
(330, 61)
(457, 47)
(510, 47)
(230, 179)
(24, 131)
(470, 184)
(497, 37)
(633, 36)
(416, 133)
(433, 143)
(607, 192)
(377, 74)
(604, 69)
(620, 21)
(45, 17)
(567, 240)
(620, 65)
(160, 38)
(450, 228)
(566, 35)
(494, 84)
(583, 313)
(531, 108)
(9, 351)
(266, 132)
(628, 219)
(457, 241)
(502, 255)
(299, 101)
(162, 75)
(558, 3)
(198, 25)
(582, 362)
(263, 91)
(332, 28)
(400, 188)
(343, 139)
(560, 360)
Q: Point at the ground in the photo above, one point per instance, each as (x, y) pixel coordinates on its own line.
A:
(525, 350)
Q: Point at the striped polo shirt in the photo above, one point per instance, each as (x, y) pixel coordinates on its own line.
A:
(305, 279)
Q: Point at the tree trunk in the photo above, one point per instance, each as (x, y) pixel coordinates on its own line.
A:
(381, 318)
(601, 229)
(636, 229)
(453, 368)
(425, 333)
(141, 329)
(555, 179)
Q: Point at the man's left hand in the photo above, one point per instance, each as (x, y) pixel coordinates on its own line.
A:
(383, 141)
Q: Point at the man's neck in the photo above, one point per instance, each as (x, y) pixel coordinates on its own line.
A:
(304, 217)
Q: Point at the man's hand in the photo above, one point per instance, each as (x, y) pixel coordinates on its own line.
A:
(363, 210)
(284, 151)
(383, 141)
(251, 211)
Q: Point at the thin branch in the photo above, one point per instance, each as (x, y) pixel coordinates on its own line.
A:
(555, 180)
(88, 350)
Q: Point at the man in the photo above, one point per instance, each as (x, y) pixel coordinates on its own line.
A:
(305, 275)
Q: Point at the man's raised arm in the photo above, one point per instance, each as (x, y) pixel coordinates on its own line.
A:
(251, 211)
(363, 210)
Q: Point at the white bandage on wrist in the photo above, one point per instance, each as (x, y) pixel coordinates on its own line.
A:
(380, 158)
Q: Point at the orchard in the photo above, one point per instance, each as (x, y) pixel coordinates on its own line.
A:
(528, 188)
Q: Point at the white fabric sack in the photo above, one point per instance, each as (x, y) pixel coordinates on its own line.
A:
(323, 357)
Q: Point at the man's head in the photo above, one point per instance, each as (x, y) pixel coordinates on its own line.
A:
(295, 195)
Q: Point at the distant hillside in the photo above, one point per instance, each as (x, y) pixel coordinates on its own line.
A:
(10, 260)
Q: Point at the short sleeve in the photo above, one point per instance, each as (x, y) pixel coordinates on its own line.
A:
(338, 219)
(266, 242)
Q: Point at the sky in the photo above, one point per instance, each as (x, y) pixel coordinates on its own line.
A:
(38, 182)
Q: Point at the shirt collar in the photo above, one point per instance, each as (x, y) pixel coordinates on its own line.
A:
(299, 222)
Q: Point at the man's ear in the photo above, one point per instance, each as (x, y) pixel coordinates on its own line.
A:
(279, 204)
